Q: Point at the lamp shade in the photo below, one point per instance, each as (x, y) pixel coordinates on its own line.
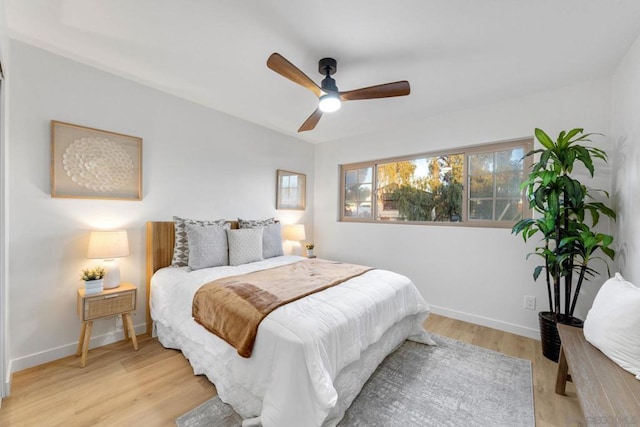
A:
(294, 232)
(108, 244)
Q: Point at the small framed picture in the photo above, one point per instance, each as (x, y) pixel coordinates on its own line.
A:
(89, 163)
(291, 192)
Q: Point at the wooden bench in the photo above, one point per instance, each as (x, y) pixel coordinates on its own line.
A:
(608, 394)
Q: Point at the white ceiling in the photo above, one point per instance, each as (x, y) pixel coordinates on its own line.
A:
(456, 54)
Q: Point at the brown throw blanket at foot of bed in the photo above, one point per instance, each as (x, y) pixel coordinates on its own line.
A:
(233, 307)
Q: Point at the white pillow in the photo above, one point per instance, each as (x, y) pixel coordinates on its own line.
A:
(245, 245)
(613, 323)
(207, 246)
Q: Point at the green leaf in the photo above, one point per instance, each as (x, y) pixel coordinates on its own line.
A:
(544, 139)
(539, 198)
(537, 271)
(544, 157)
(603, 209)
(561, 136)
(521, 225)
(570, 158)
(609, 252)
(553, 202)
(574, 132)
(547, 177)
(585, 157)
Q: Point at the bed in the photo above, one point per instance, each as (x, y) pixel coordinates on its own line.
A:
(311, 357)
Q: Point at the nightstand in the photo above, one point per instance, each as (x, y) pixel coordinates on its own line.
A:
(108, 303)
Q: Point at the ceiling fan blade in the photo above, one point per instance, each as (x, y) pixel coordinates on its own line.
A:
(312, 121)
(286, 69)
(386, 90)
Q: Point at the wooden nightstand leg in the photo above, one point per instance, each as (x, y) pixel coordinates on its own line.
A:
(132, 331)
(125, 327)
(81, 339)
(85, 343)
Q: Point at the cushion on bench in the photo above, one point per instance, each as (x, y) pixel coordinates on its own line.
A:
(613, 323)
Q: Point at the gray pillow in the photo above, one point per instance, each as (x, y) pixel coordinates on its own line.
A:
(207, 246)
(272, 237)
(181, 246)
(272, 241)
(245, 245)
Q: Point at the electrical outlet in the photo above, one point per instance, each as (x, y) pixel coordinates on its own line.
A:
(529, 302)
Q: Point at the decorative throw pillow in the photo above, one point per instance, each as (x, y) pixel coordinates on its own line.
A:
(245, 245)
(255, 223)
(271, 238)
(613, 323)
(272, 241)
(207, 246)
(181, 246)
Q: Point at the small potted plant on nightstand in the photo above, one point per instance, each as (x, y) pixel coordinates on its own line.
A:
(93, 283)
(309, 247)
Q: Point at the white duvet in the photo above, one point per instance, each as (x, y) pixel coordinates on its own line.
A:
(311, 357)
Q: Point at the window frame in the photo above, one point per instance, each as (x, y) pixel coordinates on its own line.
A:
(525, 143)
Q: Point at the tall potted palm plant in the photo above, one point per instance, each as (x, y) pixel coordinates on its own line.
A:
(566, 214)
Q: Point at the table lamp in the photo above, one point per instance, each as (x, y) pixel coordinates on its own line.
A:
(294, 233)
(108, 245)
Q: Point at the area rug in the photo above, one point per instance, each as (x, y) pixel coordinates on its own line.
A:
(451, 384)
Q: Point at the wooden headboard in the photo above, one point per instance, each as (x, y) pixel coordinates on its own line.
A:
(160, 241)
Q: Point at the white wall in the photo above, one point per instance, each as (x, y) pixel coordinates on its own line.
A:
(5, 370)
(475, 274)
(626, 137)
(197, 163)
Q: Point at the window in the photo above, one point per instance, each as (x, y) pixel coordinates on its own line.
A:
(357, 192)
(477, 186)
(494, 185)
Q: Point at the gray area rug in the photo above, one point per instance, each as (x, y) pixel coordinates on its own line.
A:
(451, 384)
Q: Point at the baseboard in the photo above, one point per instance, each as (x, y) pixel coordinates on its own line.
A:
(6, 385)
(69, 349)
(485, 321)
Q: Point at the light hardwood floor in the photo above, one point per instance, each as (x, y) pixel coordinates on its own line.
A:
(153, 386)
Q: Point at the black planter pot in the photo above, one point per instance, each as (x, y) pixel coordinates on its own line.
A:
(549, 332)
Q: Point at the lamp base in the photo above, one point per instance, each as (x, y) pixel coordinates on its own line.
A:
(111, 274)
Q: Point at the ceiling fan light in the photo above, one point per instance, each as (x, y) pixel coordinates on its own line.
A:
(329, 103)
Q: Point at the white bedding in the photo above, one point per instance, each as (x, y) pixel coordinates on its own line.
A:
(311, 357)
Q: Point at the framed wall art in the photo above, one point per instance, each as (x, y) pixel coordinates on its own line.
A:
(91, 163)
(291, 192)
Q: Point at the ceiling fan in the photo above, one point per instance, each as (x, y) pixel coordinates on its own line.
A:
(328, 93)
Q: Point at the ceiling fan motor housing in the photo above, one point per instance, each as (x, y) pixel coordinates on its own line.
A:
(329, 85)
(327, 66)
